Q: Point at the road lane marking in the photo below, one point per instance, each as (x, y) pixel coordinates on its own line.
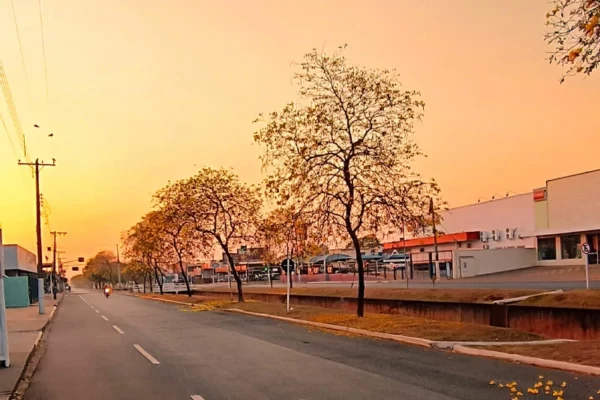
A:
(118, 330)
(197, 397)
(98, 311)
(84, 300)
(104, 318)
(146, 354)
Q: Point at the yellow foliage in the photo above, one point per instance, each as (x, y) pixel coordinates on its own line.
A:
(589, 28)
(573, 54)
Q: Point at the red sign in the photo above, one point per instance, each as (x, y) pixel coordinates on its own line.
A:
(539, 195)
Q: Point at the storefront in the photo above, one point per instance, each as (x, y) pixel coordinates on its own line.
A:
(566, 216)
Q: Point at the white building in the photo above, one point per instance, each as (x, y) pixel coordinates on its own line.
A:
(19, 261)
(566, 215)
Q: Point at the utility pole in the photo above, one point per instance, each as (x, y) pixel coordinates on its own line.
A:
(38, 220)
(119, 267)
(53, 275)
(4, 355)
(435, 243)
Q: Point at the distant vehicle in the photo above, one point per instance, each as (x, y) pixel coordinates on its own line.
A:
(67, 288)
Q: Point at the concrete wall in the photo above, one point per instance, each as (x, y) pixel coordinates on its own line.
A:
(515, 213)
(573, 200)
(16, 257)
(482, 262)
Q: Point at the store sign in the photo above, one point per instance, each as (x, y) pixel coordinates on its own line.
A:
(539, 195)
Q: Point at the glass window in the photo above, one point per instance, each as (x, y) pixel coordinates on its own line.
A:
(546, 248)
(569, 244)
(75, 268)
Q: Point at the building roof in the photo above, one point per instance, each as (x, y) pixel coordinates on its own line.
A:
(427, 241)
(562, 231)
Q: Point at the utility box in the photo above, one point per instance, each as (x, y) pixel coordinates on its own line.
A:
(16, 291)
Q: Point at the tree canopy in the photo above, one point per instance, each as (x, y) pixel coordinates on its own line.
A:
(343, 150)
(574, 33)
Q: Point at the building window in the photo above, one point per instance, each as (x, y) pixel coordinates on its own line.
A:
(546, 248)
(569, 245)
(75, 268)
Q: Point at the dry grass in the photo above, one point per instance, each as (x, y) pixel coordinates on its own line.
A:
(572, 299)
(401, 325)
(443, 295)
(585, 352)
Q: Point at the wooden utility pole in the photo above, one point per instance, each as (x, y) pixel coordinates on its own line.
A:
(53, 283)
(38, 219)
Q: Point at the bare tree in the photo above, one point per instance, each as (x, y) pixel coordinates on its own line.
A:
(340, 150)
(218, 207)
(574, 32)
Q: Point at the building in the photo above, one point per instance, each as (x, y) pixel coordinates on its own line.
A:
(19, 261)
(566, 216)
(481, 238)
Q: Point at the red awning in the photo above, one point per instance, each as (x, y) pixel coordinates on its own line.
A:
(428, 241)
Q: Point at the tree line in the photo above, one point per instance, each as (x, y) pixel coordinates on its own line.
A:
(338, 165)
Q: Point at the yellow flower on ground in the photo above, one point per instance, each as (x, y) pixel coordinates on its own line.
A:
(549, 383)
(541, 377)
(519, 393)
(513, 389)
(564, 384)
(500, 385)
(492, 382)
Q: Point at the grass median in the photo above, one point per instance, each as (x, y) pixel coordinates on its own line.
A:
(394, 324)
(443, 295)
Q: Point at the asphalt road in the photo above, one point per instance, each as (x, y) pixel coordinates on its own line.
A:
(218, 355)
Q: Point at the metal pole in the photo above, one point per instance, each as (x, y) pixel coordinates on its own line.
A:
(52, 277)
(587, 274)
(288, 282)
(4, 355)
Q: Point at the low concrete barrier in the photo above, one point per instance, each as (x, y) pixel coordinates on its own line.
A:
(553, 322)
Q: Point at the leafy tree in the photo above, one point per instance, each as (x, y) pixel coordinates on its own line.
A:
(101, 269)
(369, 241)
(342, 148)
(145, 244)
(220, 209)
(574, 32)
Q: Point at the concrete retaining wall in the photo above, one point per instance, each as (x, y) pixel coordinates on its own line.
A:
(553, 322)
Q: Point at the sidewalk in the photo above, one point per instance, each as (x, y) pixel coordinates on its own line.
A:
(24, 328)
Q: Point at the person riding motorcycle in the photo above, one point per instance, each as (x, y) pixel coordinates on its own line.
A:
(107, 290)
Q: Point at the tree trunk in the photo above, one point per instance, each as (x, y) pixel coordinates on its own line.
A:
(151, 283)
(158, 280)
(185, 278)
(144, 283)
(360, 309)
(236, 276)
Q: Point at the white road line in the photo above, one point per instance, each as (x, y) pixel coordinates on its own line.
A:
(197, 397)
(104, 318)
(118, 330)
(98, 311)
(145, 354)
(84, 300)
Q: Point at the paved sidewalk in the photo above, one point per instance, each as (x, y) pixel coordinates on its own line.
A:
(24, 327)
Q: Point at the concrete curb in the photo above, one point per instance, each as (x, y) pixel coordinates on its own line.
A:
(446, 345)
(31, 364)
(379, 335)
(539, 362)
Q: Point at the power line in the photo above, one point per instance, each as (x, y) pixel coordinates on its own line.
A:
(12, 144)
(44, 52)
(22, 54)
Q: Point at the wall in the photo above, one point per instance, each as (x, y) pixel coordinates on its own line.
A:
(571, 199)
(515, 212)
(16, 257)
(482, 262)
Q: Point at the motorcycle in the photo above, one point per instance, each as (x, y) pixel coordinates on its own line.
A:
(107, 292)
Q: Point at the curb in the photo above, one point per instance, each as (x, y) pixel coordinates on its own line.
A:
(31, 366)
(379, 335)
(446, 345)
(539, 362)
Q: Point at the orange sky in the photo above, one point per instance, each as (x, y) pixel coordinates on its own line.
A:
(141, 92)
